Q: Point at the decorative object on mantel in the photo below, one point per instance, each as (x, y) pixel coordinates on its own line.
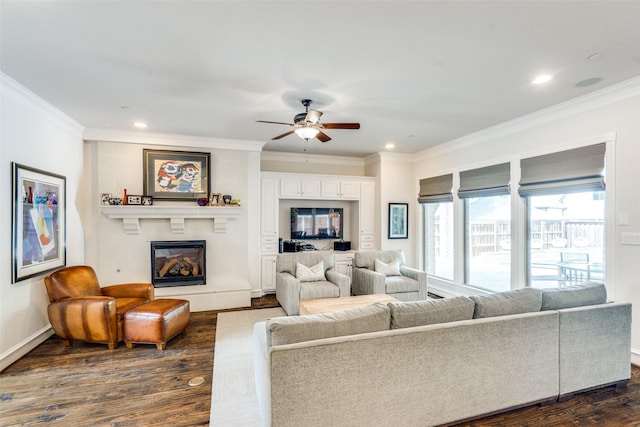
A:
(134, 200)
(39, 222)
(105, 198)
(147, 200)
(202, 199)
(226, 199)
(175, 175)
(215, 199)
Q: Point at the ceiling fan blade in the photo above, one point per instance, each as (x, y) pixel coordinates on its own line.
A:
(313, 116)
(323, 137)
(275, 123)
(340, 125)
(283, 135)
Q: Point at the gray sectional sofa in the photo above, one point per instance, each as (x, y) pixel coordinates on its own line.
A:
(433, 362)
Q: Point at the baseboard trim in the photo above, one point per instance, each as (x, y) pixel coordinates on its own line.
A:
(24, 347)
(635, 356)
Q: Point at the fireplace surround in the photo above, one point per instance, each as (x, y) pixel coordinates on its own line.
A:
(178, 263)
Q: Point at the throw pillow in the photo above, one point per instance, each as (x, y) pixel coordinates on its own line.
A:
(431, 311)
(390, 269)
(574, 296)
(351, 321)
(310, 274)
(509, 302)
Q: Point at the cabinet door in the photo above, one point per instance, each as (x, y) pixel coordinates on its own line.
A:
(269, 207)
(344, 263)
(367, 208)
(330, 188)
(350, 190)
(268, 274)
(290, 188)
(310, 188)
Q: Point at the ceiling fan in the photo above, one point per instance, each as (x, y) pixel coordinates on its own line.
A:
(307, 125)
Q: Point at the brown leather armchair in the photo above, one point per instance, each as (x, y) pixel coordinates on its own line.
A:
(79, 309)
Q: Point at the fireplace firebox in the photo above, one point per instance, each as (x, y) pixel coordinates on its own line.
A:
(178, 263)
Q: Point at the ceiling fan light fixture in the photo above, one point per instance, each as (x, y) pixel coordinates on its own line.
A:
(307, 132)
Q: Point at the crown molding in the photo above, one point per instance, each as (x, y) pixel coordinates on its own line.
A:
(607, 96)
(141, 137)
(281, 156)
(20, 94)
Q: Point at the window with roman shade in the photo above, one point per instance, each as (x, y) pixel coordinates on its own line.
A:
(436, 189)
(577, 170)
(487, 226)
(487, 181)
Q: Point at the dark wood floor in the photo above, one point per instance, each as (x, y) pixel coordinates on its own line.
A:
(88, 385)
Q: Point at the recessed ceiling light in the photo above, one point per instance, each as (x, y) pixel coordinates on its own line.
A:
(541, 79)
(140, 125)
(389, 146)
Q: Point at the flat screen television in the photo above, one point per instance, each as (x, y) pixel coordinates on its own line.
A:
(316, 223)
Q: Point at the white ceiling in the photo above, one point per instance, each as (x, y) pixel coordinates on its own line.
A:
(413, 73)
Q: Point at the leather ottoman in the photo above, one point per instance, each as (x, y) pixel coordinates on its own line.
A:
(156, 322)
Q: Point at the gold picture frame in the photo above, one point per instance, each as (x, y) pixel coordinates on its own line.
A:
(215, 199)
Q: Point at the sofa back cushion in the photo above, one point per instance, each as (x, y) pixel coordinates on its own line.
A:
(367, 259)
(358, 320)
(419, 313)
(509, 302)
(574, 296)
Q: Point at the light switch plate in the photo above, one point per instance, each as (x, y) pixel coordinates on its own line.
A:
(630, 238)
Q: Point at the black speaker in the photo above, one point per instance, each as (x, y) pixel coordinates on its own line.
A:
(341, 246)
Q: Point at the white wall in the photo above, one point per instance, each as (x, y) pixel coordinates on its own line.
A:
(37, 135)
(395, 169)
(613, 112)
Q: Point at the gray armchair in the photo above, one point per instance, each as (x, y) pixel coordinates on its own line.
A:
(290, 290)
(409, 284)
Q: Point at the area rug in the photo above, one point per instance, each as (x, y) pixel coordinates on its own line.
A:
(233, 396)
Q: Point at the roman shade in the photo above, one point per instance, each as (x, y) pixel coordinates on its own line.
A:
(487, 181)
(436, 189)
(577, 170)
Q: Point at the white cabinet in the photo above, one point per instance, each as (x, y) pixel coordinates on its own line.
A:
(367, 217)
(343, 262)
(269, 205)
(337, 189)
(269, 208)
(305, 188)
(358, 194)
(268, 273)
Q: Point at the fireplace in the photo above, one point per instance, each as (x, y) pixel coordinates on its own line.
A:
(178, 263)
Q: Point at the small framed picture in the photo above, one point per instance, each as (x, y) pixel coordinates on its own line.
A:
(147, 200)
(134, 200)
(215, 199)
(105, 199)
(398, 221)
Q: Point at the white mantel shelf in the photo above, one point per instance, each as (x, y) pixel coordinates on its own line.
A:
(131, 216)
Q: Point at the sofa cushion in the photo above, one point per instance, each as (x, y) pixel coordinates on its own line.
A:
(419, 313)
(401, 284)
(310, 274)
(574, 296)
(509, 302)
(388, 269)
(358, 320)
(319, 289)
